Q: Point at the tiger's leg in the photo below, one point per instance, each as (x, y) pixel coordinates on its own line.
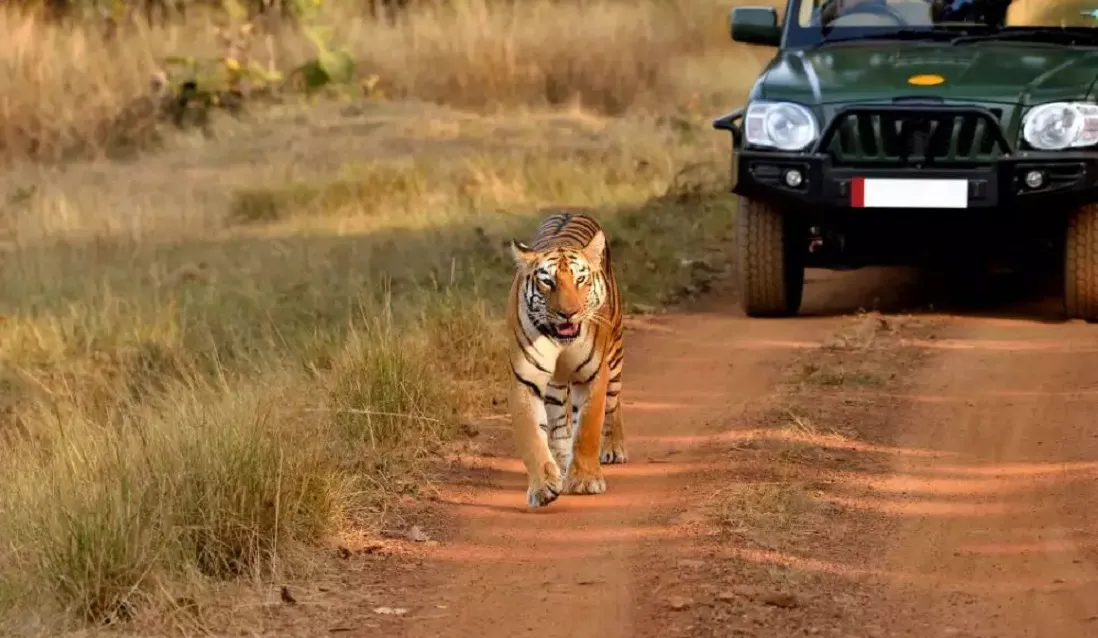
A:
(613, 432)
(560, 428)
(589, 412)
(530, 426)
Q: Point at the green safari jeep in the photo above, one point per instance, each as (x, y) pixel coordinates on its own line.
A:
(898, 132)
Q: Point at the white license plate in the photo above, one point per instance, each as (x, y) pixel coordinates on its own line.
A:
(908, 193)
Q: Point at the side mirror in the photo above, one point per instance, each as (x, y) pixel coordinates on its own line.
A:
(756, 25)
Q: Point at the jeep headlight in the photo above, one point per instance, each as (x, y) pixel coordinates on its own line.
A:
(1059, 125)
(782, 125)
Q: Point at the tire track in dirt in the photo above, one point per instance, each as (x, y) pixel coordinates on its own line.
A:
(997, 534)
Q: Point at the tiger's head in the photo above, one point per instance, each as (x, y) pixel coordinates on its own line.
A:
(562, 288)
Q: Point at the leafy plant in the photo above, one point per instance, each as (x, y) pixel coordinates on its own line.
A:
(331, 66)
(196, 86)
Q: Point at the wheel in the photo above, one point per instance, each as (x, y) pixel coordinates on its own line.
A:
(771, 261)
(1081, 264)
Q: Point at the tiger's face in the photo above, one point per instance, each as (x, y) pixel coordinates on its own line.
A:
(562, 289)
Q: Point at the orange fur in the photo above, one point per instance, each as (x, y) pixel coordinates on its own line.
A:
(565, 318)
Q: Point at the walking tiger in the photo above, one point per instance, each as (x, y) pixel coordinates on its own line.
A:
(565, 318)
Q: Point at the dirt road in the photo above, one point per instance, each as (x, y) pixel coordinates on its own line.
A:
(1004, 514)
(827, 475)
(583, 566)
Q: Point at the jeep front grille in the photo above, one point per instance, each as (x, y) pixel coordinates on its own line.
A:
(923, 136)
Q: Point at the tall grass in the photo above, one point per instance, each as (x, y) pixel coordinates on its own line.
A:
(70, 90)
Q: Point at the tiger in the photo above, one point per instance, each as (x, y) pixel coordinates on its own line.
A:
(565, 318)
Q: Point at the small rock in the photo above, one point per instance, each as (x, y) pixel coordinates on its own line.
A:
(343, 552)
(417, 535)
(390, 611)
(785, 601)
(691, 563)
(679, 603)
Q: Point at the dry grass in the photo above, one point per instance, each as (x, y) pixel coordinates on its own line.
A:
(839, 375)
(218, 355)
(759, 509)
(72, 92)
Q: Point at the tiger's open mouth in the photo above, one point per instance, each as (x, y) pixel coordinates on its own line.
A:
(566, 330)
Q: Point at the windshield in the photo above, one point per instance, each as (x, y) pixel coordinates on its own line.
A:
(823, 20)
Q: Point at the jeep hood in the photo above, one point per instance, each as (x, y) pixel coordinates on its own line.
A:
(985, 72)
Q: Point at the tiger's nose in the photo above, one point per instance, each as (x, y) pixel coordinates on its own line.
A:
(567, 314)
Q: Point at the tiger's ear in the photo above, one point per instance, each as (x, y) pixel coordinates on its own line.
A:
(523, 255)
(594, 250)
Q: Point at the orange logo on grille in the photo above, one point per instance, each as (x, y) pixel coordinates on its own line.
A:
(926, 79)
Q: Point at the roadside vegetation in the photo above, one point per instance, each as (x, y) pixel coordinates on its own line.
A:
(254, 268)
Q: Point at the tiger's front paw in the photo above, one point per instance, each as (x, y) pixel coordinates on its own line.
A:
(582, 481)
(546, 487)
(613, 451)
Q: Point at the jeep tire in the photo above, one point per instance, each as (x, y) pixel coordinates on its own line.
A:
(1081, 264)
(771, 260)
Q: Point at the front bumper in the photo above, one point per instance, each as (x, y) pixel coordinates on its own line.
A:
(830, 183)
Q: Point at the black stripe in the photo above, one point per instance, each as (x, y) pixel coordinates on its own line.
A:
(527, 343)
(532, 361)
(616, 378)
(615, 360)
(551, 400)
(529, 384)
(612, 393)
(590, 355)
(565, 228)
(561, 222)
(592, 377)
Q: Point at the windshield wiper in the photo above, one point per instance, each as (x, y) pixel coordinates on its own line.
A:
(1055, 35)
(901, 34)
